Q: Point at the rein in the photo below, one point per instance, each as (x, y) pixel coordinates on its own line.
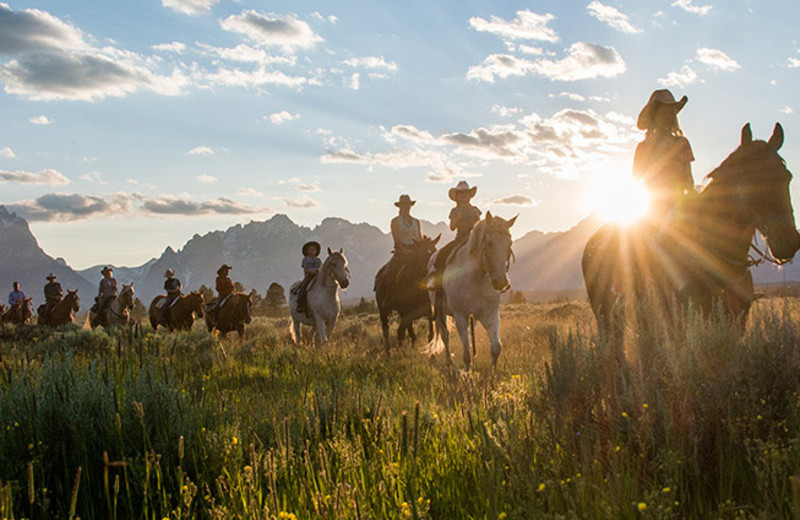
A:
(762, 256)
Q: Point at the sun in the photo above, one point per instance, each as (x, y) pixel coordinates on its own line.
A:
(619, 199)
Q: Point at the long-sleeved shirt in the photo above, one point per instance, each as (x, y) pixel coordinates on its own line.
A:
(15, 296)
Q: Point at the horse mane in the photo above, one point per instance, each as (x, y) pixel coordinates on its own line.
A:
(477, 237)
(729, 167)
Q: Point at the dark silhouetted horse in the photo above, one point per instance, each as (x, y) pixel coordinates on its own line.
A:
(400, 286)
(60, 313)
(702, 256)
(19, 314)
(234, 314)
(181, 313)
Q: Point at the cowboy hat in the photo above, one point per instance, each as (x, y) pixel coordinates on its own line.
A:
(658, 97)
(169, 273)
(107, 269)
(308, 245)
(462, 186)
(404, 200)
(224, 268)
(50, 276)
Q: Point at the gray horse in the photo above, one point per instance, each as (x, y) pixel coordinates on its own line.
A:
(322, 298)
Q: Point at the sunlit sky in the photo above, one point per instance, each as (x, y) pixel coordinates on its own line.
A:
(126, 127)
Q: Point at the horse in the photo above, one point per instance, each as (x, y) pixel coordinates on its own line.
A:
(181, 313)
(60, 313)
(701, 257)
(400, 286)
(234, 313)
(19, 314)
(322, 298)
(116, 310)
(473, 278)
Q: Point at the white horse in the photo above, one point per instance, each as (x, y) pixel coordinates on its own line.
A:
(322, 298)
(474, 276)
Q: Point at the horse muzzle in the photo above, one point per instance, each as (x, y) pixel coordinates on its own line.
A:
(344, 283)
(784, 245)
(501, 284)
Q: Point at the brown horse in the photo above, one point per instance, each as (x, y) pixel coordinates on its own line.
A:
(181, 313)
(400, 286)
(61, 312)
(701, 257)
(19, 314)
(233, 315)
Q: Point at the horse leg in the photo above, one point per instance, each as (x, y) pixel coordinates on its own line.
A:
(385, 329)
(411, 333)
(492, 327)
(322, 336)
(331, 325)
(462, 326)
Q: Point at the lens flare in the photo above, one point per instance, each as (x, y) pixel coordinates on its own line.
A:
(619, 199)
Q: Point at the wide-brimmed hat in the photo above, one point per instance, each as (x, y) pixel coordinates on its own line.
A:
(224, 268)
(461, 187)
(169, 273)
(309, 245)
(404, 200)
(657, 98)
(50, 276)
(107, 269)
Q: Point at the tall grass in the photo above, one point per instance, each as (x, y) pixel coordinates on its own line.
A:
(695, 422)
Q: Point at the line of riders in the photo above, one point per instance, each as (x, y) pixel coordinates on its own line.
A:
(662, 162)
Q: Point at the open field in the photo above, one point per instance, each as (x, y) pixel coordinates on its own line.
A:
(699, 424)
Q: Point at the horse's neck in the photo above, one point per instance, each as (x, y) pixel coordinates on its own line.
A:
(721, 225)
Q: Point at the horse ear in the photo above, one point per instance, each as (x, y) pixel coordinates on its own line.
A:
(488, 217)
(747, 134)
(341, 250)
(511, 222)
(776, 141)
(436, 240)
(329, 251)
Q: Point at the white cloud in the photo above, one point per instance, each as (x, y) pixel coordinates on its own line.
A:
(505, 111)
(70, 207)
(371, 62)
(7, 152)
(612, 17)
(93, 177)
(304, 202)
(40, 120)
(681, 78)
(246, 54)
(286, 32)
(48, 176)
(794, 63)
(278, 118)
(308, 186)
(201, 150)
(32, 30)
(516, 200)
(689, 7)
(569, 95)
(176, 47)
(167, 205)
(249, 192)
(716, 59)
(582, 61)
(355, 81)
(526, 26)
(191, 7)
(207, 179)
(786, 110)
(254, 78)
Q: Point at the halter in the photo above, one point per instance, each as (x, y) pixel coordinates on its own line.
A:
(484, 263)
(328, 266)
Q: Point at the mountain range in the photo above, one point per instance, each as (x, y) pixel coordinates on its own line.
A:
(269, 251)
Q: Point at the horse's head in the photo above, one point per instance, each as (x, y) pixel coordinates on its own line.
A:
(336, 266)
(424, 247)
(26, 309)
(73, 302)
(195, 301)
(762, 181)
(492, 241)
(126, 296)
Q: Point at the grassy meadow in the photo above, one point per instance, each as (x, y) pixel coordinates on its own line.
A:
(694, 423)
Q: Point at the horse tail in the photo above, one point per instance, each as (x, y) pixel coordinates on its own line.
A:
(436, 345)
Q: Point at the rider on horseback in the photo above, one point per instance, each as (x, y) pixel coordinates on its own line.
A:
(105, 293)
(52, 295)
(173, 288)
(405, 230)
(16, 295)
(311, 265)
(662, 162)
(463, 218)
(225, 288)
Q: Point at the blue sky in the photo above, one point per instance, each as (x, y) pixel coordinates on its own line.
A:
(130, 126)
